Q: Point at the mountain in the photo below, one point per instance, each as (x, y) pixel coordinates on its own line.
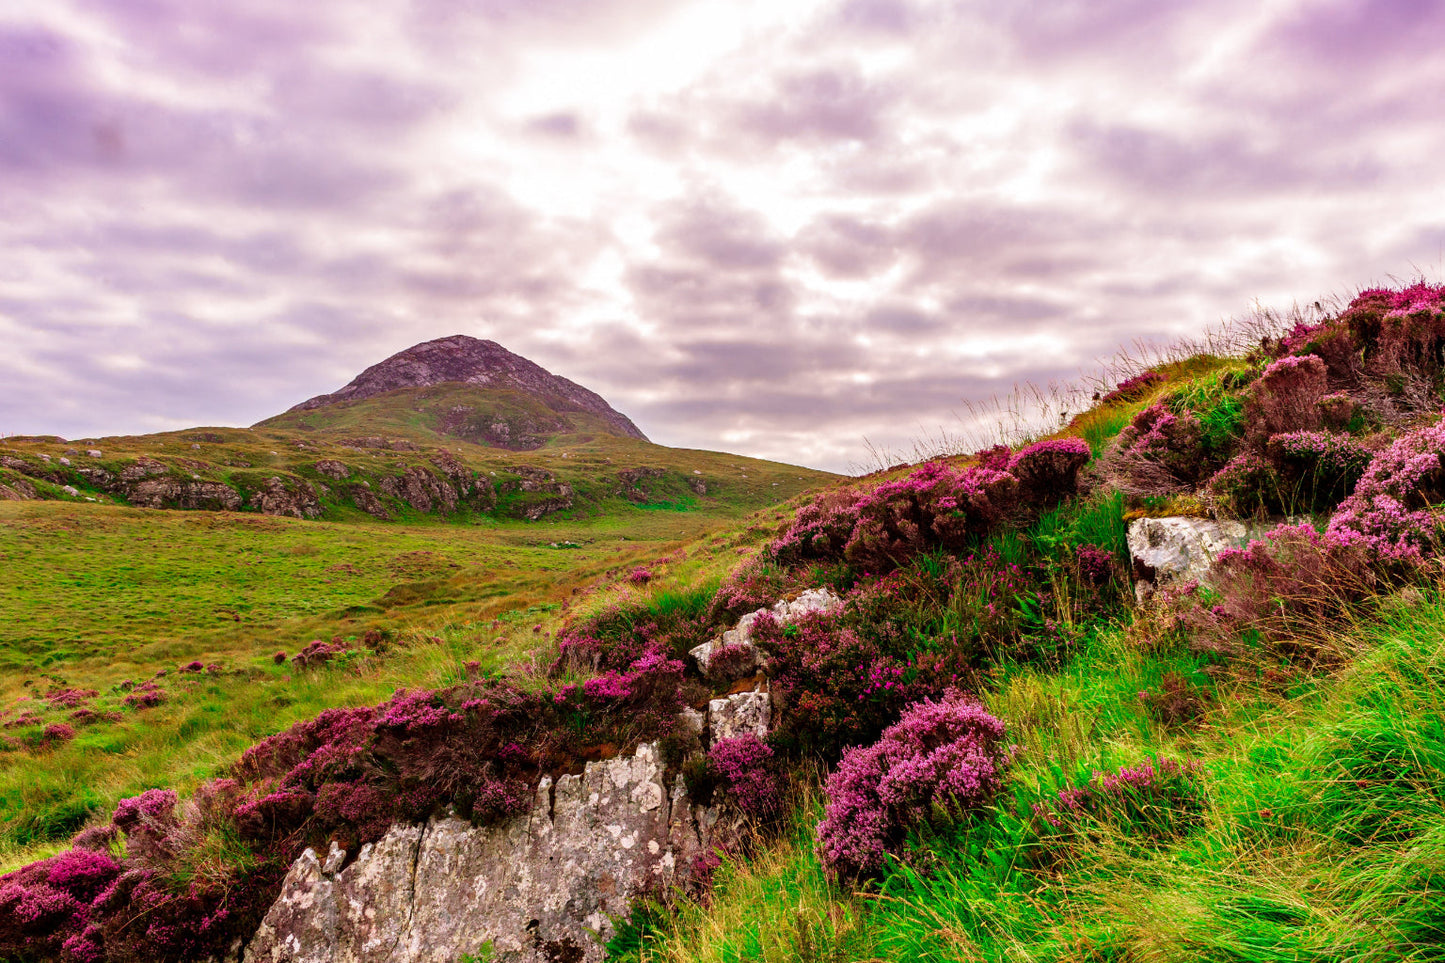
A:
(460, 359)
(453, 428)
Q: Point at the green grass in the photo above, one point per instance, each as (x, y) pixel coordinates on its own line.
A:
(98, 595)
(1324, 839)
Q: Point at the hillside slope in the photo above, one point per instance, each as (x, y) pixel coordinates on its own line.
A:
(985, 747)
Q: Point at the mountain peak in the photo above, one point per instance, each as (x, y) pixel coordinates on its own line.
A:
(467, 360)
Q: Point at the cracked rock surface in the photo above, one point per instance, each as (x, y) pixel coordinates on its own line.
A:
(540, 887)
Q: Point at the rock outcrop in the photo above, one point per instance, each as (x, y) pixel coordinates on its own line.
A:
(541, 887)
(473, 361)
(740, 636)
(1181, 548)
(174, 493)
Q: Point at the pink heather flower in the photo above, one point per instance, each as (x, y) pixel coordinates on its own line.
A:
(948, 752)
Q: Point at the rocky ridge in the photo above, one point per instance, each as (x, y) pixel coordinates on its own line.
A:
(542, 887)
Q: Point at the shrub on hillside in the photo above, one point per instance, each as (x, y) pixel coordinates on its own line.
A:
(834, 687)
(1285, 398)
(744, 768)
(936, 506)
(820, 529)
(1157, 799)
(47, 904)
(1131, 389)
(1301, 472)
(1396, 509)
(1158, 453)
(1048, 471)
(756, 584)
(623, 632)
(942, 757)
(1288, 590)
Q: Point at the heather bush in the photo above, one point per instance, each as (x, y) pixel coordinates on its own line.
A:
(756, 584)
(1301, 472)
(621, 633)
(1097, 566)
(1317, 469)
(940, 758)
(1285, 398)
(1395, 511)
(47, 903)
(936, 505)
(1048, 471)
(820, 529)
(1288, 590)
(1132, 389)
(1157, 799)
(1178, 703)
(1158, 453)
(833, 686)
(744, 769)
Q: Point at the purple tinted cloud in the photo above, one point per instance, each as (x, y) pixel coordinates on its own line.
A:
(771, 228)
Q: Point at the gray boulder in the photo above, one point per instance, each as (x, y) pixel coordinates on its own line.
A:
(540, 887)
(1179, 548)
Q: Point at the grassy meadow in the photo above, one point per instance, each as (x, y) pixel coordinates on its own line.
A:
(106, 599)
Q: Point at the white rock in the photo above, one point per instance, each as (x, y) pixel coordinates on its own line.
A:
(1179, 548)
(739, 713)
(533, 886)
(813, 600)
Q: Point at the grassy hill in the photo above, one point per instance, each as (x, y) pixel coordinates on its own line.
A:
(104, 597)
(993, 751)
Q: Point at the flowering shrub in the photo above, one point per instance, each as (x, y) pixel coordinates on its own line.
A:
(46, 904)
(640, 575)
(319, 652)
(1286, 589)
(1286, 397)
(1157, 798)
(754, 585)
(57, 732)
(1178, 703)
(1157, 453)
(1097, 566)
(743, 768)
(934, 506)
(946, 755)
(820, 530)
(1133, 388)
(1298, 472)
(996, 458)
(1049, 470)
(833, 686)
(68, 698)
(1396, 511)
(1318, 469)
(148, 695)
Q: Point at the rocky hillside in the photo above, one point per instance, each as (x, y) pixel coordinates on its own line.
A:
(464, 360)
(1049, 700)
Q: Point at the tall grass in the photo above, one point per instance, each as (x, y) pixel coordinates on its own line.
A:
(1324, 840)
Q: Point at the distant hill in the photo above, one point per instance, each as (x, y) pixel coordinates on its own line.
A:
(521, 402)
(452, 428)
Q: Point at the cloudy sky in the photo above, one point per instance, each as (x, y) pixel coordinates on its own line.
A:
(778, 228)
